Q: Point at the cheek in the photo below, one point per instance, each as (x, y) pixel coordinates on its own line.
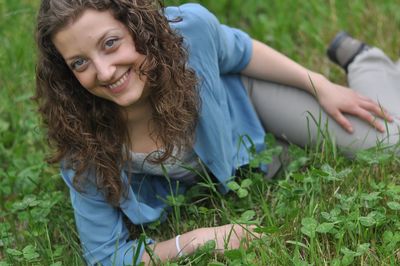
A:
(85, 80)
(129, 54)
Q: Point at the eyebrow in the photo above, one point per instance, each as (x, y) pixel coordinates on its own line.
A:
(99, 40)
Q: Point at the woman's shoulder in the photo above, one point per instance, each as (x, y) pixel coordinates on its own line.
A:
(191, 16)
(192, 9)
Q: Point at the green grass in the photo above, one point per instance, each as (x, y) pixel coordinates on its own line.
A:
(324, 210)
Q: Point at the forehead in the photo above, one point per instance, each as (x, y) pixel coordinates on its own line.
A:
(85, 31)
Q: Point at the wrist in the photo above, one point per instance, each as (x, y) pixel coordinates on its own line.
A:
(189, 241)
(178, 246)
(314, 82)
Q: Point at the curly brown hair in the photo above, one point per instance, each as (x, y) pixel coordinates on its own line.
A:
(88, 132)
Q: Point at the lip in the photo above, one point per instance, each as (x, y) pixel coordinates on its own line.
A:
(121, 87)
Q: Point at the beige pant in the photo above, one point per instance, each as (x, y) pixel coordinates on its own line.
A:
(293, 114)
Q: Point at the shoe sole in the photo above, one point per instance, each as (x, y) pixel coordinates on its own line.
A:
(334, 46)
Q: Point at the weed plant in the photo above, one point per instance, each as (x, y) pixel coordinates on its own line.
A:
(322, 209)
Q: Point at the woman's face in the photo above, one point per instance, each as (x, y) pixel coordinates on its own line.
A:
(102, 55)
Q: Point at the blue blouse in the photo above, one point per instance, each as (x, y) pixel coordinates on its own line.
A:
(227, 121)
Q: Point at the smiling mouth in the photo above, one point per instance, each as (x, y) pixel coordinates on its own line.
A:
(120, 81)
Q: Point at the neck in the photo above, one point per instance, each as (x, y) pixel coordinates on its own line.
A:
(139, 114)
(140, 127)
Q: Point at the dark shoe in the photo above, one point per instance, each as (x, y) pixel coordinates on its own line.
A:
(343, 49)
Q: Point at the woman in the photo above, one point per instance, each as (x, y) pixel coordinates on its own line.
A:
(131, 92)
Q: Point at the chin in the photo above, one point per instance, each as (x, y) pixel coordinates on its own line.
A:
(127, 103)
(124, 104)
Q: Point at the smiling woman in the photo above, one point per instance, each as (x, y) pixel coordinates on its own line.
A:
(66, 93)
(119, 85)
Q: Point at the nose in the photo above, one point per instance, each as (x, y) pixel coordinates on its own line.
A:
(105, 70)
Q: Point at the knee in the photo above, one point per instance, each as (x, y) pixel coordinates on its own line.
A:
(367, 137)
(373, 59)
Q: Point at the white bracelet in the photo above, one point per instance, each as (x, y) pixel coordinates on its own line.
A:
(178, 247)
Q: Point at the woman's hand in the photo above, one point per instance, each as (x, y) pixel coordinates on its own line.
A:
(338, 100)
(268, 64)
(226, 237)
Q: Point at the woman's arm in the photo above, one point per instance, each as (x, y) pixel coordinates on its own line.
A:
(226, 237)
(105, 238)
(268, 64)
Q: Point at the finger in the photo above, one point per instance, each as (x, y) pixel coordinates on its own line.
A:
(251, 233)
(248, 231)
(365, 98)
(343, 121)
(368, 117)
(378, 110)
(375, 107)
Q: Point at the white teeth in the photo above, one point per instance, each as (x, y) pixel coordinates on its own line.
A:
(119, 82)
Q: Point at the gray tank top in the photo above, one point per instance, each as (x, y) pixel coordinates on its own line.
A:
(184, 166)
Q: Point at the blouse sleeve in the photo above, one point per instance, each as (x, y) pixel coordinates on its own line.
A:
(103, 233)
(207, 37)
(234, 49)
